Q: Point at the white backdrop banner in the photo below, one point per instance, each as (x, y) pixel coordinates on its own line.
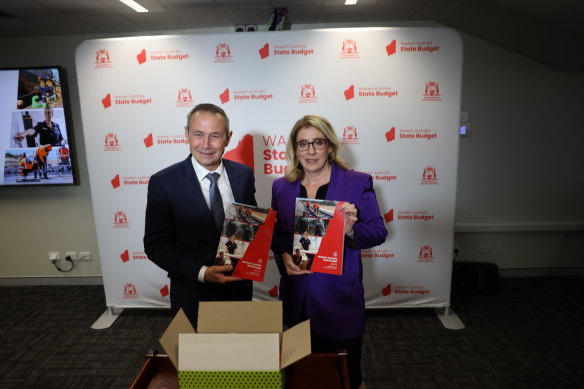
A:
(392, 94)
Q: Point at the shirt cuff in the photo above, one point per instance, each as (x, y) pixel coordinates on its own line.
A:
(201, 276)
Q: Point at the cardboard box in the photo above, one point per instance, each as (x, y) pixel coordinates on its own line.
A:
(239, 344)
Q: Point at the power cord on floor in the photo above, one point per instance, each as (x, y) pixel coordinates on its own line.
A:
(68, 259)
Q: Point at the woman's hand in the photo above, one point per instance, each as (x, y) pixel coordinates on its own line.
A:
(350, 212)
(291, 268)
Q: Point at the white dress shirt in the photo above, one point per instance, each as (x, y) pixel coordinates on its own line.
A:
(205, 183)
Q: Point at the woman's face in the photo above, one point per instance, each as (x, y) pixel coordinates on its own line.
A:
(312, 160)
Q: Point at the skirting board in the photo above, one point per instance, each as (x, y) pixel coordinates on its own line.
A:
(58, 281)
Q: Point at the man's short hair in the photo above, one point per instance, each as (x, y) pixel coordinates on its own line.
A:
(212, 108)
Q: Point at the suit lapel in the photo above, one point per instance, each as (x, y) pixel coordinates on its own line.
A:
(336, 184)
(234, 181)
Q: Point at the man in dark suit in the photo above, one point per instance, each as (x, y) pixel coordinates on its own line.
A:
(181, 235)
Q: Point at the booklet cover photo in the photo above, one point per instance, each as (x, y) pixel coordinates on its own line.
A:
(245, 240)
(318, 236)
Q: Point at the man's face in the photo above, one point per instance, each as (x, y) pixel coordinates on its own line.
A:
(207, 138)
(48, 114)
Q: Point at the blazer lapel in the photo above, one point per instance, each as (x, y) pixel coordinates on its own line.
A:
(336, 184)
(234, 181)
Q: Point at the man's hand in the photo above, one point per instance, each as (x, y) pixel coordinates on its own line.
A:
(216, 274)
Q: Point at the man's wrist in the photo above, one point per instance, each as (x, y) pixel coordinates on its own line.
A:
(201, 275)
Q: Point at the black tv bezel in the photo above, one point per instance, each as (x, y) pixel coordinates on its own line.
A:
(67, 113)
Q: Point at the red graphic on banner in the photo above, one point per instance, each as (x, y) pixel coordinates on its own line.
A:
(243, 152)
(386, 291)
(222, 51)
(253, 264)
(388, 217)
(350, 133)
(164, 291)
(391, 48)
(120, 220)
(432, 89)
(107, 101)
(429, 176)
(432, 92)
(350, 136)
(116, 181)
(349, 46)
(149, 141)
(184, 95)
(125, 256)
(130, 291)
(102, 56)
(307, 91)
(102, 59)
(273, 292)
(224, 96)
(111, 139)
(141, 57)
(329, 258)
(265, 51)
(350, 92)
(425, 254)
(390, 135)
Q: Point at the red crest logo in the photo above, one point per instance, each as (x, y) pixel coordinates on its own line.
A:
(120, 220)
(111, 139)
(307, 91)
(184, 95)
(130, 291)
(429, 174)
(184, 98)
(432, 89)
(350, 133)
(432, 92)
(102, 59)
(222, 51)
(349, 46)
(425, 252)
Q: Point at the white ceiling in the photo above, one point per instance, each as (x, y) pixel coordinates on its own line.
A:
(549, 31)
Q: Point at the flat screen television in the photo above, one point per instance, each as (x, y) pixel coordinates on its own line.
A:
(36, 135)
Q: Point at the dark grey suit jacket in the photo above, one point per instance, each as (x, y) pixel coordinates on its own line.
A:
(180, 236)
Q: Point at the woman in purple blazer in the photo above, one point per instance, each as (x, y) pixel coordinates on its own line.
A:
(334, 304)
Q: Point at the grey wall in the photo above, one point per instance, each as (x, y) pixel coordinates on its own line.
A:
(519, 189)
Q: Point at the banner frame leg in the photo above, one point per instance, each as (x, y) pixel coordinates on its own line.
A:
(449, 318)
(107, 318)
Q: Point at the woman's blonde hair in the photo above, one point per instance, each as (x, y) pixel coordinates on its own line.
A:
(294, 170)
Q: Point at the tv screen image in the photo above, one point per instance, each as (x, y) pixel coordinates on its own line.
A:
(35, 130)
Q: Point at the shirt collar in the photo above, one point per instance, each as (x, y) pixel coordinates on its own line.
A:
(202, 172)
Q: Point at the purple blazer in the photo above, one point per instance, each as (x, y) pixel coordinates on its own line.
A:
(334, 304)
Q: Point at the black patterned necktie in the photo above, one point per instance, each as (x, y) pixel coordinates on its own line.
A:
(216, 201)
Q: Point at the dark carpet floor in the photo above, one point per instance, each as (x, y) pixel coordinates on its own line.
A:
(529, 333)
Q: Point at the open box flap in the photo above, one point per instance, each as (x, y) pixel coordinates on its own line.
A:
(240, 317)
(295, 344)
(180, 324)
